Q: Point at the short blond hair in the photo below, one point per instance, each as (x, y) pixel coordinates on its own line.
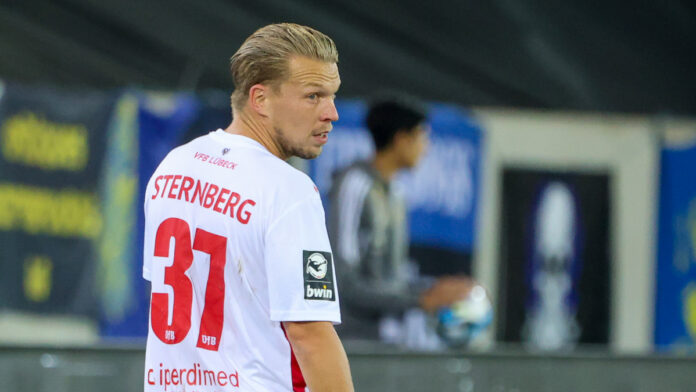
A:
(264, 56)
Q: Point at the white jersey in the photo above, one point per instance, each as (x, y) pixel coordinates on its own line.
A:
(235, 243)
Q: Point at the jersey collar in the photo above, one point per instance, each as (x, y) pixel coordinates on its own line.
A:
(229, 139)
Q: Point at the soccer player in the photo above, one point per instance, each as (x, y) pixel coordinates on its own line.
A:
(244, 294)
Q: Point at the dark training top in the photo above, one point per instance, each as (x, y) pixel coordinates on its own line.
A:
(368, 232)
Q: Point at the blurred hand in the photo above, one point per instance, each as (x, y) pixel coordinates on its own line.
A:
(446, 291)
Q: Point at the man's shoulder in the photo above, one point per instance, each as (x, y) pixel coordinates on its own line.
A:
(185, 148)
(286, 181)
(359, 171)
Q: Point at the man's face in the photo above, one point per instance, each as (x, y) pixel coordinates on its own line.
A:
(412, 143)
(302, 107)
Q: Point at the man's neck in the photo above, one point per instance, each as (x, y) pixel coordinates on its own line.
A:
(246, 125)
(386, 164)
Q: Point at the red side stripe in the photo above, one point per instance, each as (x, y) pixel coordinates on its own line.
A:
(298, 381)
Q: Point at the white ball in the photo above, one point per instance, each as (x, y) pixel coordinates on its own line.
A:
(462, 321)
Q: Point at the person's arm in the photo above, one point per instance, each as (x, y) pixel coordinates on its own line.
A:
(445, 291)
(320, 354)
(358, 266)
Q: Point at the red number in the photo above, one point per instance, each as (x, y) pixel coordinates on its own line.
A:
(175, 276)
(214, 310)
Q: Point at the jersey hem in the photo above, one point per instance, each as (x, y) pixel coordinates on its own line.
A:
(305, 316)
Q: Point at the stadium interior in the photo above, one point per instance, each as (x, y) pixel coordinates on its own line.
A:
(560, 175)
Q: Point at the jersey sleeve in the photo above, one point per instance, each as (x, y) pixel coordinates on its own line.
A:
(299, 265)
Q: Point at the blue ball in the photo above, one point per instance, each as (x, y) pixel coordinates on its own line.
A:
(461, 322)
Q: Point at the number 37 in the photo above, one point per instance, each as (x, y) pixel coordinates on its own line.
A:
(175, 276)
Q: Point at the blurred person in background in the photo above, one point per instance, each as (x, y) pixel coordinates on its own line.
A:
(380, 287)
(243, 289)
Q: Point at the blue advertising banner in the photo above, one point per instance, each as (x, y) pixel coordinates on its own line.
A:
(675, 303)
(441, 192)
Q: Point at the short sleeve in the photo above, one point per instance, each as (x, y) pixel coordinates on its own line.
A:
(299, 265)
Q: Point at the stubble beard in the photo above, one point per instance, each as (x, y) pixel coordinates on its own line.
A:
(288, 149)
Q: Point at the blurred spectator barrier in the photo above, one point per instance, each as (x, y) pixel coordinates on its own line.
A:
(45, 369)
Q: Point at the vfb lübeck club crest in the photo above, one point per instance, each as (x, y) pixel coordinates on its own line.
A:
(318, 276)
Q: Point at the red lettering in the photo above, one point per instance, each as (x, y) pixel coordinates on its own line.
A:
(244, 220)
(188, 376)
(207, 195)
(234, 376)
(221, 376)
(220, 200)
(166, 182)
(208, 375)
(231, 204)
(174, 186)
(193, 376)
(186, 186)
(199, 192)
(156, 186)
(210, 196)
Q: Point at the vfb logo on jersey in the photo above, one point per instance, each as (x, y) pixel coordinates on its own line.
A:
(318, 275)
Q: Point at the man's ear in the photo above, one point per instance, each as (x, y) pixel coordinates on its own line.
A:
(258, 99)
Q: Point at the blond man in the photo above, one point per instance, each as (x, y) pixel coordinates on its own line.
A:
(244, 293)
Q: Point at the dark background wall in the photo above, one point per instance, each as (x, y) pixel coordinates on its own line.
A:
(610, 56)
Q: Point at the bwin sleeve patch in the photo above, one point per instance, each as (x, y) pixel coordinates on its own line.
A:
(318, 275)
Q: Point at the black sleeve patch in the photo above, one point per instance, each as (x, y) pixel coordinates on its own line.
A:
(318, 275)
